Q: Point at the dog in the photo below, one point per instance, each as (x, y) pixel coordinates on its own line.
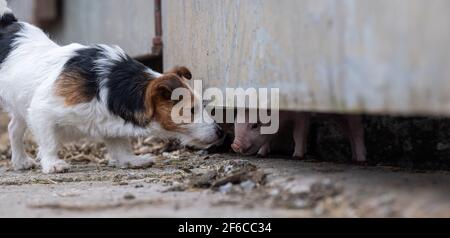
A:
(65, 93)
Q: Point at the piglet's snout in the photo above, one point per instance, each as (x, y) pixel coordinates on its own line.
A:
(238, 147)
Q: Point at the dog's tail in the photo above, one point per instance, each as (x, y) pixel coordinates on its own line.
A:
(6, 15)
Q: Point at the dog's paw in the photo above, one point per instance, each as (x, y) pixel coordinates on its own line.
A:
(134, 162)
(55, 167)
(24, 164)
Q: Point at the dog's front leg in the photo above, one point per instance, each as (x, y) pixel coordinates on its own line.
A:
(47, 139)
(122, 155)
(20, 159)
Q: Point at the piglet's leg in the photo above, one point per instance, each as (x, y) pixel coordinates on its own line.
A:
(264, 150)
(301, 128)
(355, 131)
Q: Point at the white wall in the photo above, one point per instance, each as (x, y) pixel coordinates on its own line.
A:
(376, 56)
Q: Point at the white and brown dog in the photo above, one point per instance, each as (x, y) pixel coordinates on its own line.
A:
(64, 93)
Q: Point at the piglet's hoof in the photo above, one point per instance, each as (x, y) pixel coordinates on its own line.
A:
(296, 157)
(299, 156)
(261, 156)
(359, 161)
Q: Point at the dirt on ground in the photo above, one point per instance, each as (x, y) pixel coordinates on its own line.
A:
(187, 183)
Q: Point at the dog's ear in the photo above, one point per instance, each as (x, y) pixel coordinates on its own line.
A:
(160, 90)
(159, 93)
(166, 84)
(182, 72)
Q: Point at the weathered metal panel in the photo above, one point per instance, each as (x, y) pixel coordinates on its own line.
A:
(384, 56)
(127, 23)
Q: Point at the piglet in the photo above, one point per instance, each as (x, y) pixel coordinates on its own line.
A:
(249, 140)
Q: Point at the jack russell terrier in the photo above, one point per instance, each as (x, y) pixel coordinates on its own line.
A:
(64, 93)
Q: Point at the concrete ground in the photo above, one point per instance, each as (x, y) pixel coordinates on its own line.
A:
(291, 189)
(186, 183)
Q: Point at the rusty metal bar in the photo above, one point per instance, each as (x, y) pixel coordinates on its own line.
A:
(157, 41)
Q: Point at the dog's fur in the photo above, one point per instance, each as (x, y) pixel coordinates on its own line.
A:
(63, 93)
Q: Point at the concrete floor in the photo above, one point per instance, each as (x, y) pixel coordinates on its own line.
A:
(290, 190)
(191, 184)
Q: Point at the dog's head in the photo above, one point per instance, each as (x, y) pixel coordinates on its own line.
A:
(137, 94)
(181, 117)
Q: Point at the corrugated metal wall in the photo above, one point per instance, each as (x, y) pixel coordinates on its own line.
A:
(383, 56)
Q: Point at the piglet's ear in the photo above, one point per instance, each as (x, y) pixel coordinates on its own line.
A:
(182, 72)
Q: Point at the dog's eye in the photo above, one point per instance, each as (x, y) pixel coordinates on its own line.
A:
(213, 112)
